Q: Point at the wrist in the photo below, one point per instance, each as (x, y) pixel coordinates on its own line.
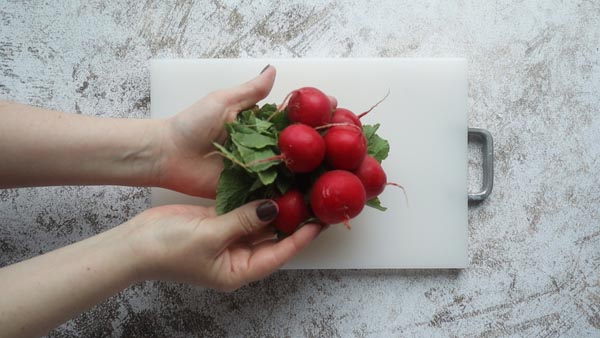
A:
(124, 244)
(146, 157)
(138, 240)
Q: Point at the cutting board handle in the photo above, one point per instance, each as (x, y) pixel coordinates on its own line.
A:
(487, 144)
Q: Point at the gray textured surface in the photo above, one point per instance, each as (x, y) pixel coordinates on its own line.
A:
(534, 81)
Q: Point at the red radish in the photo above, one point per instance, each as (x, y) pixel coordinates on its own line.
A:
(292, 211)
(372, 176)
(343, 115)
(302, 149)
(337, 196)
(374, 179)
(345, 147)
(310, 106)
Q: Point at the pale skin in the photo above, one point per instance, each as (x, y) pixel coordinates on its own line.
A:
(180, 243)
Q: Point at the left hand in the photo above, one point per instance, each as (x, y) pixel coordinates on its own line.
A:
(188, 136)
(191, 244)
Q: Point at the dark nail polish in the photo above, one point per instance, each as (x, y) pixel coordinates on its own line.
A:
(267, 66)
(267, 211)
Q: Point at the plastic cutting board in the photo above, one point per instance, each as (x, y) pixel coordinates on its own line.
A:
(425, 120)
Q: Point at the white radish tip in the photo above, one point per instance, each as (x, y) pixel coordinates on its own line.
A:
(347, 224)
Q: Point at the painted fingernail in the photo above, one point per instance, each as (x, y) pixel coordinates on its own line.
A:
(267, 211)
(267, 66)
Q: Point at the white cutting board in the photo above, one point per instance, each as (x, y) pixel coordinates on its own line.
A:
(425, 120)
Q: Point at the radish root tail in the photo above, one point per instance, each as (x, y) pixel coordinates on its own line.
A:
(375, 105)
(329, 125)
(347, 224)
(403, 191)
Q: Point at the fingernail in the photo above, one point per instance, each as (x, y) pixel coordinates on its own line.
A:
(267, 66)
(267, 211)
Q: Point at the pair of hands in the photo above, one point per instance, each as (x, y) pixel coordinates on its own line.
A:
(191, 243)
(183, 243)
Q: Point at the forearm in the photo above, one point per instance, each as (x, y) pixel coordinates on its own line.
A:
(39, 294)
(41, 147)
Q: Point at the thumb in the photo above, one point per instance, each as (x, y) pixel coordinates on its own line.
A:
(245, 220)
(247, 94)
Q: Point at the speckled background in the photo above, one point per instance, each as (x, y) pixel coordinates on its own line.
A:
(534, 77)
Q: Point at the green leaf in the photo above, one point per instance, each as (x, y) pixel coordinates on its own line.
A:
(253, 155)
(376, 204)
(240, 128)
(283, 185)
(369, 130)
(256, 185)
(267, 176)
(232, 156)
(378, 148)
(285, 179)
(280, 121)
(232, 190)
(246, 116)
(266, 111)
(263, 126)
(253, 140)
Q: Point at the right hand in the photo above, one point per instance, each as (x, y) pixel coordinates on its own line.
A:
(191, 244)
(188, 137)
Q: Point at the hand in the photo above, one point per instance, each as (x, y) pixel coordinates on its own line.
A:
(190, 244)
(189, 136)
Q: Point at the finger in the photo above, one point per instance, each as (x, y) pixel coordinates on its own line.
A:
(269, 256)
(248, 94)
(333, 102)
(244, 220)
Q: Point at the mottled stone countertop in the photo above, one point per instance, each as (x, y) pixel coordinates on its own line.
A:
(534, 79)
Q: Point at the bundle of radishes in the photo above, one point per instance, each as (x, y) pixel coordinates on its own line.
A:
(317, 162)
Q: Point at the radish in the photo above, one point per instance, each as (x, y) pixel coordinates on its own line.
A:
(292, 211)
(343, 115)
(302, 149)
(374, 179)
(372, 176)
(337, 196)
(345, 147)
(310, 106)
